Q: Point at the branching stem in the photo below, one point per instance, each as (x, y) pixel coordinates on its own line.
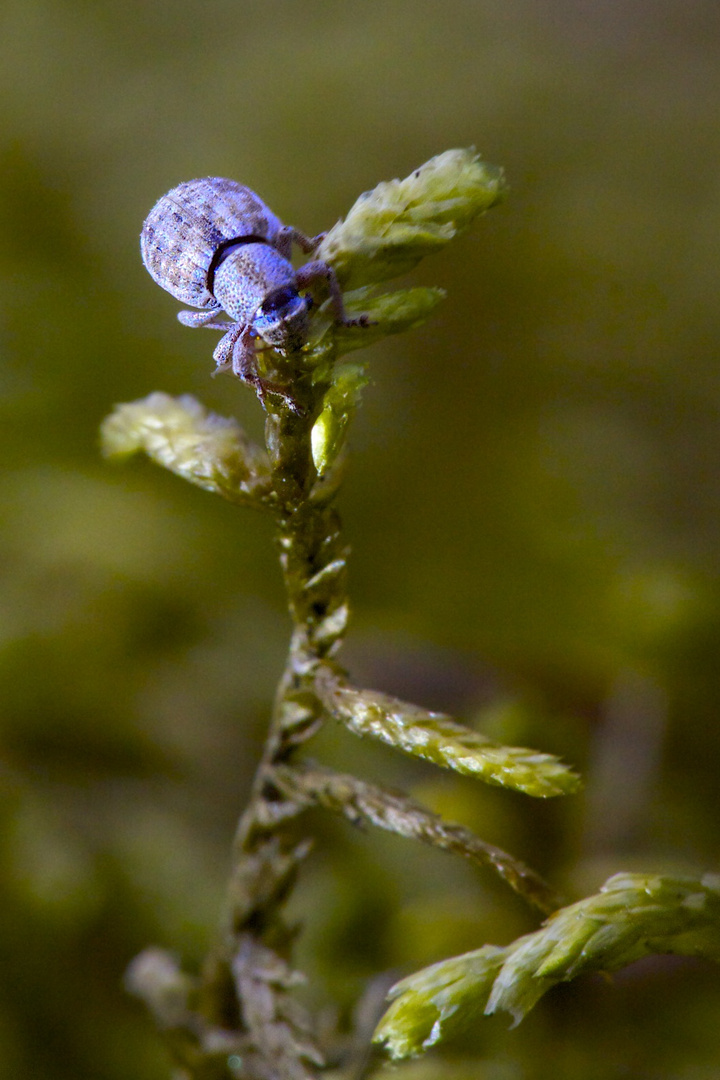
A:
(239, 1018)
(267, 851)
(241, 1014)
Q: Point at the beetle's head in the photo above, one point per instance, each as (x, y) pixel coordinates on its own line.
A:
(282, 319)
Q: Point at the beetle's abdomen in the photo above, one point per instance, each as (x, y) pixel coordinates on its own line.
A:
(185, 228)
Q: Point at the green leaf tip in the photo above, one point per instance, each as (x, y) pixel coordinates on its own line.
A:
(392, 227)
(389, 313)
(339, 403)
(436, 1003)
(184, 437)
(632, 916)
(441, 740)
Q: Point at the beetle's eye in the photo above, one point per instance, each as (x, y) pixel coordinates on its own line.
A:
(278, 300)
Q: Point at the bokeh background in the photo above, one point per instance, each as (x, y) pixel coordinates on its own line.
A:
(533, 502)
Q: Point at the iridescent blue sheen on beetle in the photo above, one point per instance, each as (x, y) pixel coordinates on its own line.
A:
(215, 245)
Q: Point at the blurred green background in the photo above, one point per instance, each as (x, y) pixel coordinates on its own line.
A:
(533, 502)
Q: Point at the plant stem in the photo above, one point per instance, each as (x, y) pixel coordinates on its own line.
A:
(246, 978)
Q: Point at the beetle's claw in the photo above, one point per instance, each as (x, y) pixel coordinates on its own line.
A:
(267, 389)
(360, 320)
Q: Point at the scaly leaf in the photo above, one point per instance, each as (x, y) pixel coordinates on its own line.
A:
(632, 916)
(389, 229)
(187, 439)
(440, 739)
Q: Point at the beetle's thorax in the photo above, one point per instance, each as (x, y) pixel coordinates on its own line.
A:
(255, 284)
(247, 275)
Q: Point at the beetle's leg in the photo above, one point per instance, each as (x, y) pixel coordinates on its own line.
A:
(223, 354)
(318, 269)
(199, 318)
(236, 352)
(243, 356)
(288, 236)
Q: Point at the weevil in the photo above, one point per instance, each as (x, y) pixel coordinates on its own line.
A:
(215, 245)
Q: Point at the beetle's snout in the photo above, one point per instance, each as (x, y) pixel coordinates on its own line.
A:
(282, 319)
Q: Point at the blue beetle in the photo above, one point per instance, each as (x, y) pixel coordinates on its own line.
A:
(215, 245)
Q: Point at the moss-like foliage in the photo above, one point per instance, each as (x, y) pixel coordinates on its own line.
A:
(241, 1009)
(392, 227)
(182, 436)
(632, 916)
(440, 739)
